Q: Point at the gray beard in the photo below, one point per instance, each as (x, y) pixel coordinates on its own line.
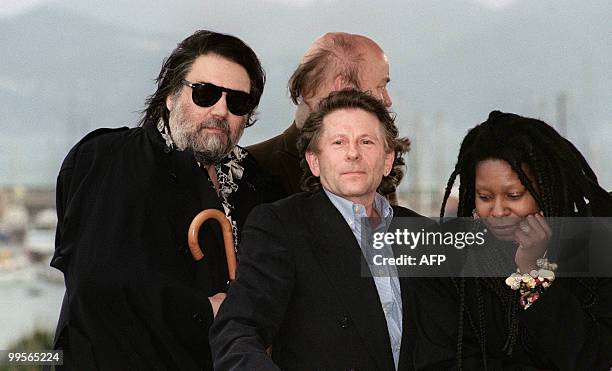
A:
(214, 150)
(209, 148)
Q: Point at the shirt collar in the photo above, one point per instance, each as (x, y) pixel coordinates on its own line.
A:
(351, 211)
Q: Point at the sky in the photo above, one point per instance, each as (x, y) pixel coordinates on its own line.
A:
(12, 7)
(452, 62)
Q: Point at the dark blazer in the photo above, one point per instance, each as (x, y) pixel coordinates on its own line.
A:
(279, 157)
(135, 298)
(300, 290)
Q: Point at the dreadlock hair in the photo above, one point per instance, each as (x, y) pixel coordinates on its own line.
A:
(562, 176)
(308, 139)
(176, 66)
(561, 183)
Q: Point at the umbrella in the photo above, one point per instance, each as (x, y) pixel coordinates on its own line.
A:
(194, 246)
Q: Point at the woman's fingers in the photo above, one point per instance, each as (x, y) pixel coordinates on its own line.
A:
(536, 230)
(542, 221)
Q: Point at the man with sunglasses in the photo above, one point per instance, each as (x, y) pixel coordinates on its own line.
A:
(135, 296)
(335, 61)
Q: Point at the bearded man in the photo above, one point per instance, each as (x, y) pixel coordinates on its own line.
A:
(135, 297)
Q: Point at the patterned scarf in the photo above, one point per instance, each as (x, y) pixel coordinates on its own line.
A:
(229, 172)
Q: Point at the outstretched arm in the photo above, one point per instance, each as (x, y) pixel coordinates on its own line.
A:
(256, 301)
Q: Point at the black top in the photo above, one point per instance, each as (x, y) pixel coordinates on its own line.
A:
(568, 328)
(300, 289)
(135, 297)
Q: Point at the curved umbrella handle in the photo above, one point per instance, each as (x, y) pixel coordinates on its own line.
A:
(228, 242)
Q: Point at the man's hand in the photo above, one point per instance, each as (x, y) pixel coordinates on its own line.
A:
(215, 302)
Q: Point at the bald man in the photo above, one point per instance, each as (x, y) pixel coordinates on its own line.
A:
(335, 61)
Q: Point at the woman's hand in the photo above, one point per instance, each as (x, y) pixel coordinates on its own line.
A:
(532, 236)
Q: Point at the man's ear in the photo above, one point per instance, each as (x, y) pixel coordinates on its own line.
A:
(340, 82)
(309, 103)
(389, 158)
(313, 162)
(170, 102)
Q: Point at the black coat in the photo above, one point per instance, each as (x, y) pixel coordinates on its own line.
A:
(568, 328)
(279, 157)
(300, 289)
(135, 297)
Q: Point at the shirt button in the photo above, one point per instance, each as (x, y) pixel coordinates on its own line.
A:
(345, 322)
(198, 317)
(386, 308)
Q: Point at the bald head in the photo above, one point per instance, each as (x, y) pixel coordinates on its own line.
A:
(339, 60)
(342, 43)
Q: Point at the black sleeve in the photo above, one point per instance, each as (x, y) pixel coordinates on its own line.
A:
(257, 300)
(60, 200)
(572, 333)
(436, 308)
(565, 330)
(62, 197)
(72, 175)
(437, 315)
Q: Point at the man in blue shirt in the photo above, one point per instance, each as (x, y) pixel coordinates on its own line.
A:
(300, 288)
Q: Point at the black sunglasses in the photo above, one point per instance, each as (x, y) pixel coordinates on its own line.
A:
(206, 94)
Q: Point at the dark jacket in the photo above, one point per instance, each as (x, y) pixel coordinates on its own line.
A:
(279, 157)
(300, 290)
(568, 328)
(135, 297)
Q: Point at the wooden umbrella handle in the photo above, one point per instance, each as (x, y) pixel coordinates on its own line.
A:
(228, 242)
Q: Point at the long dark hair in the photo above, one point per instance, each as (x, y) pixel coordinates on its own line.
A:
(562, 175)
(176, 66)
(563, 183)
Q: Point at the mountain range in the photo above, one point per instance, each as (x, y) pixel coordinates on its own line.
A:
(69, 67)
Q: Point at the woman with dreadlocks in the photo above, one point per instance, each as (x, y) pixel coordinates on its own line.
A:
(514, 171)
